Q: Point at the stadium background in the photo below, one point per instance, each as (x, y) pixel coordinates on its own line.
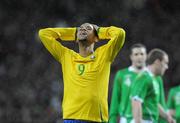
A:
(31, 80)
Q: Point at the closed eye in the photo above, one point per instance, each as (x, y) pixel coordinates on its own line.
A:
(88, 28)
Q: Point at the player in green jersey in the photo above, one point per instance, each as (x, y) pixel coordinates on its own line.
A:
(145, 94)
(122, 83)
(174, 103)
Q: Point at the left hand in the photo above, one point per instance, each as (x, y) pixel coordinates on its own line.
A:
(170, 118)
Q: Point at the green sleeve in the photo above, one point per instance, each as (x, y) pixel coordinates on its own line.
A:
(115, 99)
(170, 102)
(140, 87)
(162, 95)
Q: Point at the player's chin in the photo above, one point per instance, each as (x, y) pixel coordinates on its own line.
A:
(162, 73)
(82, 39)
(140, 65)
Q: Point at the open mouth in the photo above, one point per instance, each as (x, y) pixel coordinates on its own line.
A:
(82, 36)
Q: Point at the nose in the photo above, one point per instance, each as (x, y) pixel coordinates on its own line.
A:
(167, 66)
(140, 56)
(82, 29)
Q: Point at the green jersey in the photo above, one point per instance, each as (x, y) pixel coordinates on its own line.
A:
(174, 102)
(162, 98)
(146, 89)
(120, 94)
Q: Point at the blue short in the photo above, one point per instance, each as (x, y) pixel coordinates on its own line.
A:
(75, 121)
(78, 121)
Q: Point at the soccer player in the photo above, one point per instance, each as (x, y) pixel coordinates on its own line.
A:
(85, 74)
(174, 102)
(123, 79)
(145, 94)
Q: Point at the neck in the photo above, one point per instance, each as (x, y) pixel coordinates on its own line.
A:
(152, 69)
(85, 51)
(138, 69)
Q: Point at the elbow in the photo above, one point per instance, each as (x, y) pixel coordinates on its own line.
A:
(41, 32)
(44, 33)
(121, 33)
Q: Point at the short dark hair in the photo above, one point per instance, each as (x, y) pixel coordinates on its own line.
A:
(155, 54)
(137, 45)
(95, 32)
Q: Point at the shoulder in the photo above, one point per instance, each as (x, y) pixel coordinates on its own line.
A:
(69, 53)
(174, 89)
(144, 77)
(122, 71)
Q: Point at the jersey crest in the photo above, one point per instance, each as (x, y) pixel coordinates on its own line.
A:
(128, 80)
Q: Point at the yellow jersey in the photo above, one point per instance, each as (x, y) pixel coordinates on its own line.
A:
(85, 78)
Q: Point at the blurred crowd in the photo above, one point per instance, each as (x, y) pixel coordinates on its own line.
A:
(31, 85)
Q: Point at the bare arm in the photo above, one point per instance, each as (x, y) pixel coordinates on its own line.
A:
(137, 110)
(172, 112)
(162, 112)
(165, 115)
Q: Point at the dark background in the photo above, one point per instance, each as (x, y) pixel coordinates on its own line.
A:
(31, 84)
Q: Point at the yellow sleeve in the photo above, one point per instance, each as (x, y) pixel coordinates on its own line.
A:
(117, 38)
(49, 37)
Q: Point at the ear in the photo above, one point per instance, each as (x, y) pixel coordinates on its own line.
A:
(157, 61)
(96, 39)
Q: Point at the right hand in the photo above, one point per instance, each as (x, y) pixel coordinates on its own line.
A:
(170, 118)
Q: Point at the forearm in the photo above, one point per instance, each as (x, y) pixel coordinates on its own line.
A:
(162, 111)
(65, 34)
(137, 111)
(172, 112)
(166, 115)
(110, 32)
